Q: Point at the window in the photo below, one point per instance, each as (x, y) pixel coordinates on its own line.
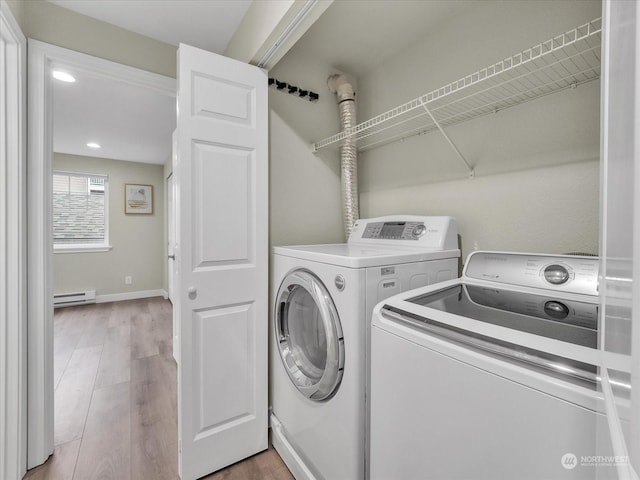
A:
(80, 212)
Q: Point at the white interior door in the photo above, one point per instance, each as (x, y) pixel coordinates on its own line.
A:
(221, 256)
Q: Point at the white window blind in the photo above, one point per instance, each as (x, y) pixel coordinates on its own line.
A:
(80, 210)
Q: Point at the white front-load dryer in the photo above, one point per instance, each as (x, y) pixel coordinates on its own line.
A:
(323, 298)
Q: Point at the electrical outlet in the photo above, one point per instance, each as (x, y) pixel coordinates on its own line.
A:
(128, 280)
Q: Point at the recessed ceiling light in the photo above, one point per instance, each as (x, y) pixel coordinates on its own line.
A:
(63, 76)
(93, 145)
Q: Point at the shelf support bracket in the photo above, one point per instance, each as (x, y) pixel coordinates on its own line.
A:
(447, 138)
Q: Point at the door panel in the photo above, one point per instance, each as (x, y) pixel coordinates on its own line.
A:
(223, 175)
(236, 377)
(225, 100)
(222, 261)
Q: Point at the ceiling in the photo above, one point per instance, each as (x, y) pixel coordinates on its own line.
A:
(207, 24)
(136, 124)
(356, 36)
(130, 123)
(133, 123)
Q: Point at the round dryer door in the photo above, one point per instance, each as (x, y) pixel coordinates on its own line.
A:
(309, 335)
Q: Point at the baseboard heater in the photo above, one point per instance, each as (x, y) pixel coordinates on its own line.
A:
(76, 298)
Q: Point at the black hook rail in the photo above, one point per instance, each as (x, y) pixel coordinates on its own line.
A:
(293, 90)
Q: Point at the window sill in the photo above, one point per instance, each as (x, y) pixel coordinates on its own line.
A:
(82, 249)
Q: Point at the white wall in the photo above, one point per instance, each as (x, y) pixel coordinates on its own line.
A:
(542, 153)
(305, 205)
(50, 23)
(17, 10)
(138, 241)
(267, 22)
(536, 164)
(551, 209)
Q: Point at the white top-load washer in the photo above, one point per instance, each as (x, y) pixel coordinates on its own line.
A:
(323, 300)
(493, 375)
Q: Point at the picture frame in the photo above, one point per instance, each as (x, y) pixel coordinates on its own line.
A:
(138, 199)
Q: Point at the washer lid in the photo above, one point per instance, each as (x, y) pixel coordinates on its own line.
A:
(361, 256)
(545, 315)
(537, 328)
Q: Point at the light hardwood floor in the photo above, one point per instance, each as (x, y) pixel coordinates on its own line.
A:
(116, 401)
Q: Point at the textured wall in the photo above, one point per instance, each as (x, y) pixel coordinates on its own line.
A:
(17, 9)
(536, 185)
(138, 241)
(257, 25)
(56, 25)
(304, 188)
(551, 209)
(304, 197)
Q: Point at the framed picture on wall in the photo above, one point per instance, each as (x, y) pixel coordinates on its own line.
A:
(138, 199)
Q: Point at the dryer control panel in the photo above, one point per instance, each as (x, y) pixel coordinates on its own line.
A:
(410, 230)
(395, 230)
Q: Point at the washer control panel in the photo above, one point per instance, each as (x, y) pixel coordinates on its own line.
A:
(574, 274)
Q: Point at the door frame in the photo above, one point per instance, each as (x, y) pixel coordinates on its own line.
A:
(42, 57)
(171, 244)
(171, 225)
(13, 290)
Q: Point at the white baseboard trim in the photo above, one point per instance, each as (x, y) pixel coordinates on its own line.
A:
(289, 456)
(118, 297)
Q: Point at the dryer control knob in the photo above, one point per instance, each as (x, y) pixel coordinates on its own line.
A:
(418, 231)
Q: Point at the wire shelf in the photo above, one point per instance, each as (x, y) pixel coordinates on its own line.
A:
(562, 62)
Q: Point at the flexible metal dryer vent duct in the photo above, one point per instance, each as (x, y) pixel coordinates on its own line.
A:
(339, 85)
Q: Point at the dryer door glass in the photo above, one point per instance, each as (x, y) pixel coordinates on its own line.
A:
(309, 335)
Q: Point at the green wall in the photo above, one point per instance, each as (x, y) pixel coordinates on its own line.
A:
(138, 241)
